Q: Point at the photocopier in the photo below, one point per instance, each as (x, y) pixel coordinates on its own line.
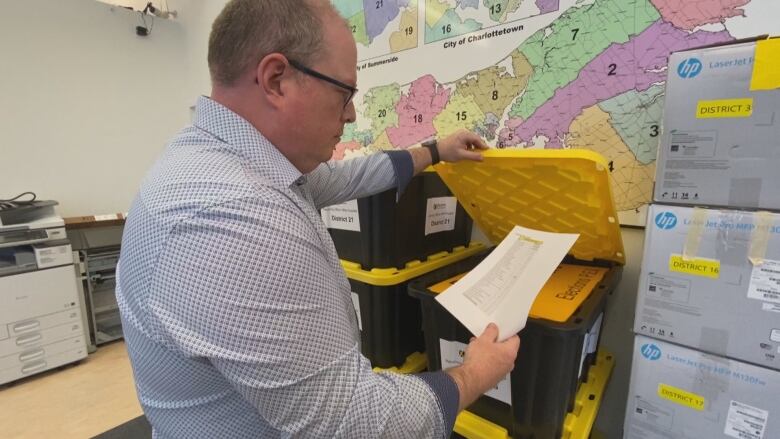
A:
(41, 324)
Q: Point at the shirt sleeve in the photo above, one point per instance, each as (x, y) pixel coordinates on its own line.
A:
(257, 298)
(334, 182)
(447, 393)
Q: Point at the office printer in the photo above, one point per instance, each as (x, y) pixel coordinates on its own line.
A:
(31, 238)
(41, 324)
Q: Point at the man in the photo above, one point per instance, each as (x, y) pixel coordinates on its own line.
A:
(236, 312)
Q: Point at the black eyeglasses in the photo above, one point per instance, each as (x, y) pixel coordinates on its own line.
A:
(315, 74)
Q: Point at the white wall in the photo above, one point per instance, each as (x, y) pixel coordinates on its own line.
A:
(86, 104)
(198, 25)
(617, 336)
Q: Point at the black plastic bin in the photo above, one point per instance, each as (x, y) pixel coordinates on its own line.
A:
(390, 323)
(552, 361)
(390, 319)
(393, 233)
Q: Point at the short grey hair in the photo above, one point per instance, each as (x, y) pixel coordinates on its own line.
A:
(246, 31)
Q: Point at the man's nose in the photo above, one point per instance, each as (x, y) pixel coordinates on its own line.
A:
(350, 114)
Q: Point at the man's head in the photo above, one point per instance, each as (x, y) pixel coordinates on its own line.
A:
(287, 67)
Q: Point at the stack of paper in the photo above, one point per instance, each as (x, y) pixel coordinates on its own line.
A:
(503, 287)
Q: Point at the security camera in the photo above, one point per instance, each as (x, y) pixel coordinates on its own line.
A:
(151, 9)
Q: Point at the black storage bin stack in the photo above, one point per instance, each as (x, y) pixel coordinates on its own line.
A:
(393, 233)
(389, 248)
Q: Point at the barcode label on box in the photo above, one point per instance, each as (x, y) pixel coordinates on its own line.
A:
(745, 422)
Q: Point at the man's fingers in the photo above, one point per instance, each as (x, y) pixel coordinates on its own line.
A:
(480, 143)
(491, 332)
(471, 155)
(514, 341)
(473, 140)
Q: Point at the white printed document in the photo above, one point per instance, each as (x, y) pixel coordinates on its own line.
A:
(502, 288)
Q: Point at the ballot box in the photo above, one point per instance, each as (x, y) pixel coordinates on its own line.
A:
(384, 231)
(388, 318)
(565, 191)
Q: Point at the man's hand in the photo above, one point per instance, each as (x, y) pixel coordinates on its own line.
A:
(460, 145)
(485, 363)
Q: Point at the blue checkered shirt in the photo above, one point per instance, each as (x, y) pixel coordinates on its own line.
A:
(236, 312)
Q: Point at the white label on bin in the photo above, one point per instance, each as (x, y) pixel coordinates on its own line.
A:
(583, 355)
(745, 422)
(440, 215)
(356, 304)
(342, 216)
(595, 333)
(775, 335)
(585, 343)
(452, 355)
(590, 342)
(765, 282)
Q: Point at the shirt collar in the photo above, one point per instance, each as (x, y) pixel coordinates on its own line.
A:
(262, 156)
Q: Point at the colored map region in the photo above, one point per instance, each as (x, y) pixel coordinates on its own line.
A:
(636, 116)
(416, 111)
(391, 22)
(452, 18)
(631, 180)
(591, 76)
(689, 14)
(612, 72)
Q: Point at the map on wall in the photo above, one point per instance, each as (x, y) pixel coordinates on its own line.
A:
(452, 18)
(533, 74)
(370, 22)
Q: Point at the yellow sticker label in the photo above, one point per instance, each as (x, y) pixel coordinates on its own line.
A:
(696, 266)
(723, 108)
(680, 396)
(766, 67)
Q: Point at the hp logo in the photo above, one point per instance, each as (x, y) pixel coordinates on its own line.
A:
(651, 351)
(689, 68)
(665, 220)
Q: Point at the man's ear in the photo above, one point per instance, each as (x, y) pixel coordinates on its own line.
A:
(270, 75)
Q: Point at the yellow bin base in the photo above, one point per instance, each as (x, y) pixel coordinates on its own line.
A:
(415, 363)
(578, 423)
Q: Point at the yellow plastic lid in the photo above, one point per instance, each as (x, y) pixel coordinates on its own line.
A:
(560, 297)
(383, 277)
(554, 190)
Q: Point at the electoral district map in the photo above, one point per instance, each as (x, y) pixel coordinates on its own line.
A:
(533, 74)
